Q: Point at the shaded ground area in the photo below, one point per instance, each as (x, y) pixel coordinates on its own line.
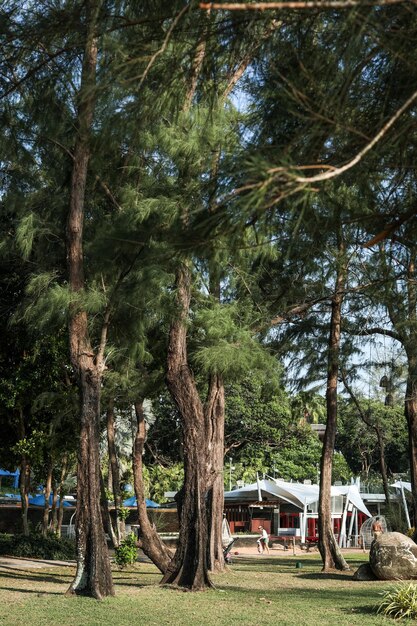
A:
(256, 590)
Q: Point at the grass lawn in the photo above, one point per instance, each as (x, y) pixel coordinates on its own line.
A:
(255, 591)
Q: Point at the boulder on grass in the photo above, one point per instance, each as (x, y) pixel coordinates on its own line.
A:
(393, 556)
(364, 573)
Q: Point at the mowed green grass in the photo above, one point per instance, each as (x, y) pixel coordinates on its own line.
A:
(255, 591)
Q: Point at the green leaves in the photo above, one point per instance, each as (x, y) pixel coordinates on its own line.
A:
(226, 346)
(400, 602)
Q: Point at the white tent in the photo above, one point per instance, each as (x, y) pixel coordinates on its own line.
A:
(401, 485)
(300, 496)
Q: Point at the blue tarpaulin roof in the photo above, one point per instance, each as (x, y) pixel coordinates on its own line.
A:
(40, 500)
(133, 502)
(14, 474)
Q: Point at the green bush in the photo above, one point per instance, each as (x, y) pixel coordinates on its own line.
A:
(127, 552)
(400, 602)
(37, 547)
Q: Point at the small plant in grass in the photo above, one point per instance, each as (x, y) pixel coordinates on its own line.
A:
(400, 602)
(127, 552)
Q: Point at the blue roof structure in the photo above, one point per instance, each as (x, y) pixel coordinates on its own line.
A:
(133, 502)
(15, 475)
(40, 500)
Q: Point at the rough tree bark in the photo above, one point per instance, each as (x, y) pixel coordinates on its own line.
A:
(149, 539)
(61, 492)
(189, 567)
(114, 469)
(214, 411)
(93, 574)
(411, 416)
(329, 550)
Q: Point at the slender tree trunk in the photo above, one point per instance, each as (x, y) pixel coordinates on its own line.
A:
(47, 508)
(24, 486)
(106, 513)
(61, 493)
(24, 478)
(215, 415)
(149, 540)
(114, 465)
(381, 446)
(54, 506)
(329, 549)
(189, 567)
(411, 416)
(93, 575)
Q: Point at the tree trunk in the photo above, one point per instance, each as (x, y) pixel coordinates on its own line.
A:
(381, 446)
(24, 478)
(149, 540)
(114, 467)
(47, 508)
(54, 506)
(61, 493)
(215, 415)
(189, 567)
(411, 416)
(93, 575)
(329, 549)
(24, 486)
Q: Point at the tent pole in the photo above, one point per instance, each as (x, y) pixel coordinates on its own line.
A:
(303, 524)
(342, 536)
(405, 507)
(352, 519)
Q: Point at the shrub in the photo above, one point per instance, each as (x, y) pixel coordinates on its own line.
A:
(127, 552)
(400, 602)
(37, 547)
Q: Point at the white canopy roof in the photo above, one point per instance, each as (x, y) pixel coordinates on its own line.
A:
(401, 484)
(294, 493)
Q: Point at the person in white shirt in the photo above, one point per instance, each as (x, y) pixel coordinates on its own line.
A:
(263, 541)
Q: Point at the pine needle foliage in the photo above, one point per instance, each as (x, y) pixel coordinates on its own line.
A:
(226, 346)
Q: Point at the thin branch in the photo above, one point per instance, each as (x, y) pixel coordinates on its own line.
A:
(378, 330)
(308, 4)
(163, 47)
(390, 228)
(340, 170)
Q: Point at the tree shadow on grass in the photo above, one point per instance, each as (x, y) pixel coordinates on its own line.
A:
(327, 576)
(366, 609)
(34, 591)
(29, 576)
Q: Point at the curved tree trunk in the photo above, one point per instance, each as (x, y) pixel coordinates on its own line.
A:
(329, 549)
(149, 539)
(189, 567)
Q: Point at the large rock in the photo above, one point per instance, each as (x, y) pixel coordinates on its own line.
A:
(393, 556)
(364, 573)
